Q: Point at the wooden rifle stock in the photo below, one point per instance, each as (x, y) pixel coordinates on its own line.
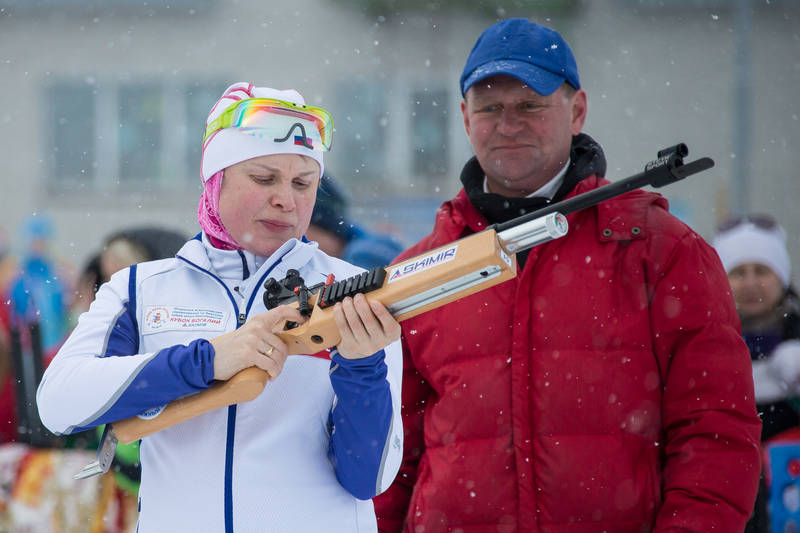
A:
(419, 284)
(469, 265)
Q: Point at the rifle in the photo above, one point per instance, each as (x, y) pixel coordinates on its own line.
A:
(408, 288)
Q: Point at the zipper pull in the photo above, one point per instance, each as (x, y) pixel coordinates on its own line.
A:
(241, 318)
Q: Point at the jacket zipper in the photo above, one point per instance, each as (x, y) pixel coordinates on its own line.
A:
(240, 319)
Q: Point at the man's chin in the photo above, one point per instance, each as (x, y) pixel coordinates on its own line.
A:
(519, 184)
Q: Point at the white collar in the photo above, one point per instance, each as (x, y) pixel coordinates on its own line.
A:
(548, 190)
(229, 264)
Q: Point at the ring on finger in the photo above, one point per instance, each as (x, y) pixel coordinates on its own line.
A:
(269, 352)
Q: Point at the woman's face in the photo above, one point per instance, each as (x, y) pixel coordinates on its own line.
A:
(268, 200)
(757, 290)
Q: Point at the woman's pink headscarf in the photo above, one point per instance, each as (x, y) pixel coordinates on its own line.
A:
(208, 215)
(227, 147)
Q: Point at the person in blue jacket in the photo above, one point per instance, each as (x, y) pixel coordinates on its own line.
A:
(39, 293)
(325, 435)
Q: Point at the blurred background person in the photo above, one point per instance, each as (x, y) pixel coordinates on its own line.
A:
(38, 292)
(8, 264)
(8, 428)
(339, 236)
(137, 245)
(37, 321)
(89, 280)
(754, 254)
(120, 250)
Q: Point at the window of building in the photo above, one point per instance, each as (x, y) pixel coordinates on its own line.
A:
(429, 127)
(71, 129)
(360, 121)
(141, 111)
(199, 99)
(106, 136)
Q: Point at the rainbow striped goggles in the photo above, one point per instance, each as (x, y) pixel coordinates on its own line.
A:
(278, 121)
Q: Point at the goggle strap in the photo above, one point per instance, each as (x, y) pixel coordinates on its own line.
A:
(764, 222)
(216, 124)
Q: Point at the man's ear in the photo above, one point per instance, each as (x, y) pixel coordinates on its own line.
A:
(578, 105)
(464, 114)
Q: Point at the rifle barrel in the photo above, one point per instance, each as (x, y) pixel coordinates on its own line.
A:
(668, 168)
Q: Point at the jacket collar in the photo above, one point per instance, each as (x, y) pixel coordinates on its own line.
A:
(240, 265)
(586, 159)
(621, 218)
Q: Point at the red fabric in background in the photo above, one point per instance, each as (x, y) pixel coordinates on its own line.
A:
(8, 418)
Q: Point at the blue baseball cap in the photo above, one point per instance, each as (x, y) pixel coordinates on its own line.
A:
(534, 54)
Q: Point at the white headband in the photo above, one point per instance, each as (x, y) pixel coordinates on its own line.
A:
(229, 146)
(748, 243)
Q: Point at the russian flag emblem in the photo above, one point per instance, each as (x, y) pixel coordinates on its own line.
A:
(298, 139)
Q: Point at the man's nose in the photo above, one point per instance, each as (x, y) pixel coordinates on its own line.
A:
(509, 122)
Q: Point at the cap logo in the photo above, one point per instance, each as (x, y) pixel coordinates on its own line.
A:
(301, 140)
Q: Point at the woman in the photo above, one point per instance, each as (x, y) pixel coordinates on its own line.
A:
(754, 254)
(323, 438)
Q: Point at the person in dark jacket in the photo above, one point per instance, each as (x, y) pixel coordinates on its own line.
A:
(604, 388)
(754, 254)
(136, 245)
(339, 236)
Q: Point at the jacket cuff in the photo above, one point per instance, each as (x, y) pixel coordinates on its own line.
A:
(369, 363)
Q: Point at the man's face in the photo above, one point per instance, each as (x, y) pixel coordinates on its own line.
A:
(521, 138)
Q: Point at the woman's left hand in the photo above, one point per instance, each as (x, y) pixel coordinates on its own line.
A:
(365, 327)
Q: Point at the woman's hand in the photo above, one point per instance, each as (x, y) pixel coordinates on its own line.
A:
(365, 327)
(254, 344)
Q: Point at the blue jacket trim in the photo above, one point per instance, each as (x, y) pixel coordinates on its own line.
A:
(357, 443)
(229, 469)
(132, 305)
(172, 373)
(245, 268)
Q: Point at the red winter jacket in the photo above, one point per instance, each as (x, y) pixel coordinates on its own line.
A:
(605, 388)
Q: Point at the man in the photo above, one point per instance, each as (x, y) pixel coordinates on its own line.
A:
(606, 387)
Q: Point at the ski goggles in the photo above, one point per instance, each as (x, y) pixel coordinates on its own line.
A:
(277, 121)
(764, 222)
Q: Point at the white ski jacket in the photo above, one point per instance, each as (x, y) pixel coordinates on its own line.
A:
(306, 455)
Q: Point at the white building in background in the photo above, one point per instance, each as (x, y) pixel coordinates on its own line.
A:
(105, 102)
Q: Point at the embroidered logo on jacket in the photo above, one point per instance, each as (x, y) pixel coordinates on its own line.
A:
(151, 413)
(159, 318)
